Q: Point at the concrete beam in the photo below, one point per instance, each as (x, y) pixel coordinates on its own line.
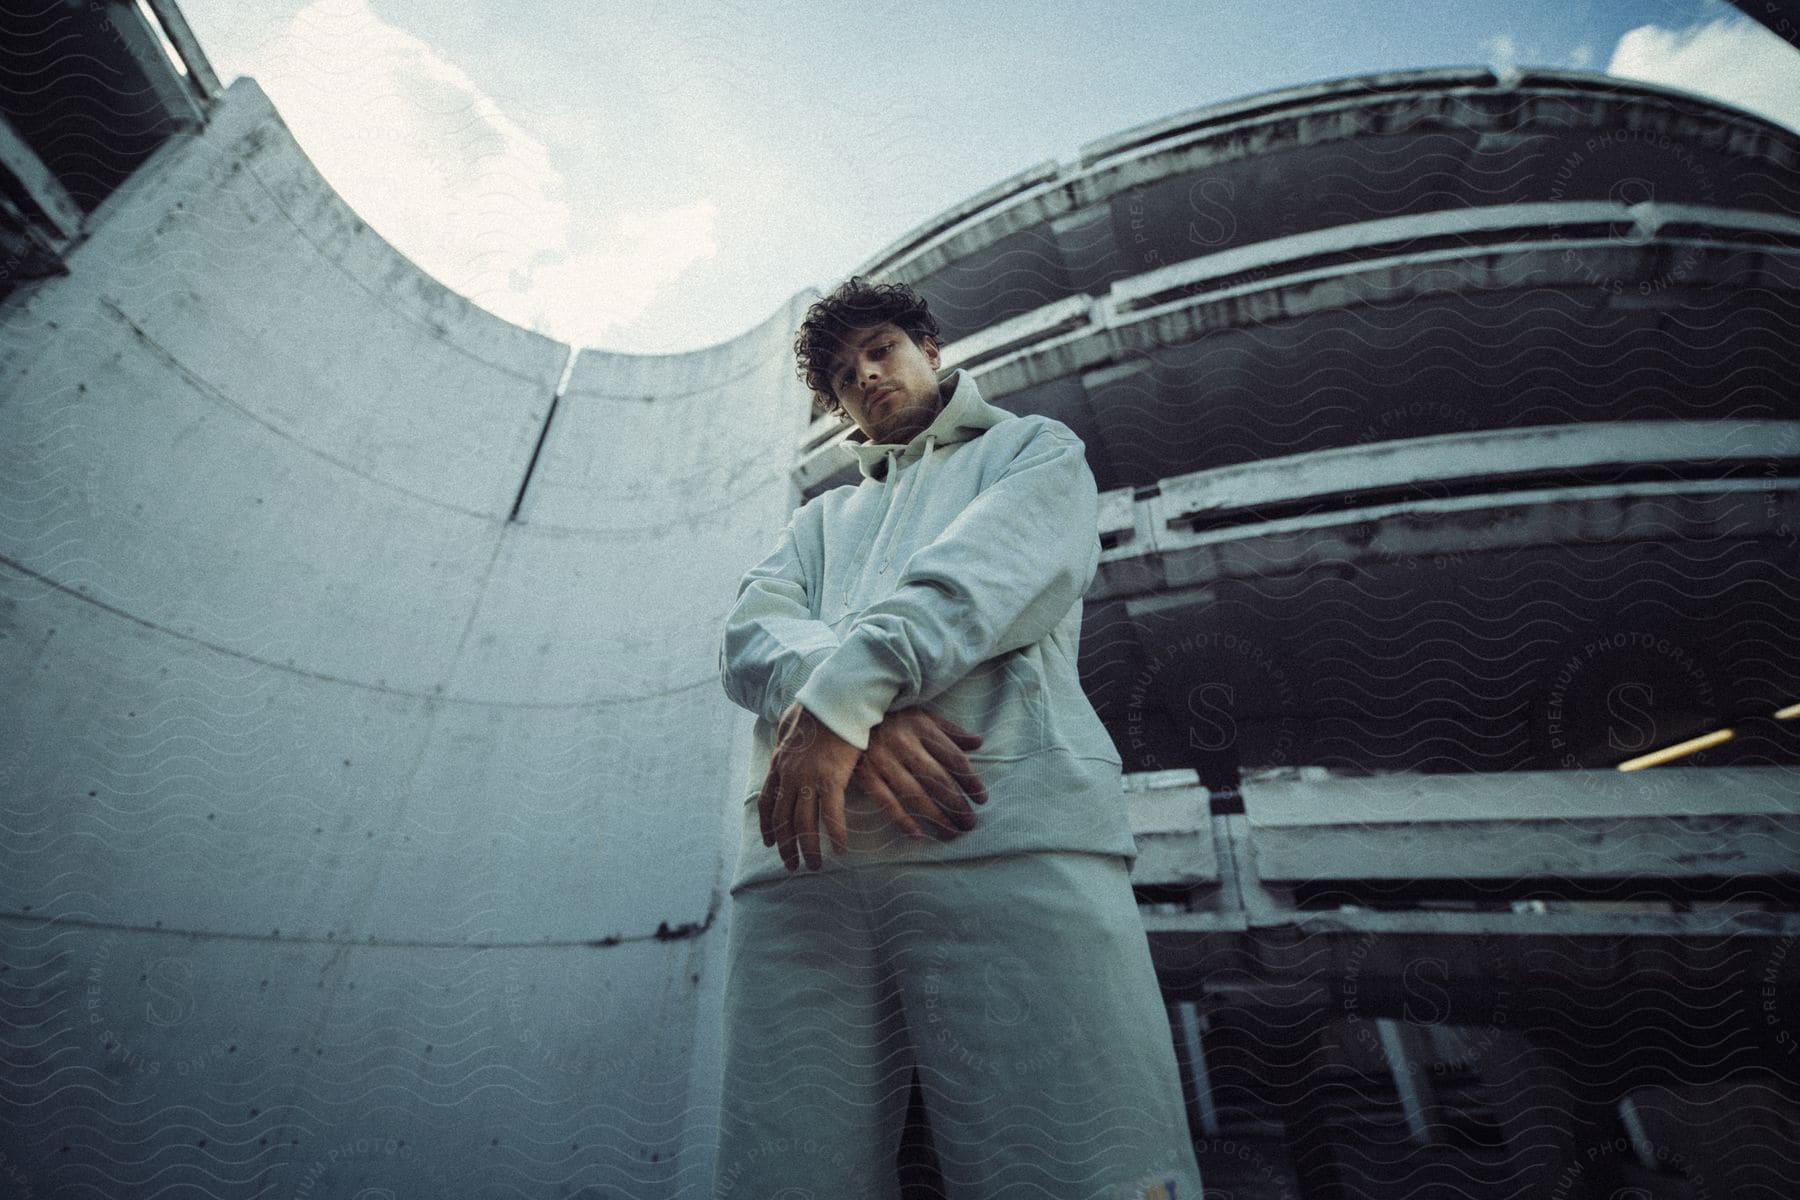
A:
(45, 190)
(1314, 796)
(1210, 119)
(1094, 337)
(1680, 823)
(180, 98)
(1620, 848)
(1507, 225)
(1308, 826)
(1332, 112)
(1446, 928)
(181, 35)
(1484, 460)
(1173, 830)
(1153, 574)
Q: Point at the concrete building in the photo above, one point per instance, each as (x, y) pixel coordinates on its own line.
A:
(1447, 428)
(367, 786)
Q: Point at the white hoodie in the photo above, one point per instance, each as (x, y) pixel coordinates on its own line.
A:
(951, 577)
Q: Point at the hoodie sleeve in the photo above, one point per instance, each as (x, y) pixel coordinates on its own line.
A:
(772, 641)
(1002, 575)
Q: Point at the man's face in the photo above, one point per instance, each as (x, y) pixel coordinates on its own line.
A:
(886, 382)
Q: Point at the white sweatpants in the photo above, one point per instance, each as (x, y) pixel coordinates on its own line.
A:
(1021, 986)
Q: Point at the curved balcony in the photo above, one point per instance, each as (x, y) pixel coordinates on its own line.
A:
(1331, 154)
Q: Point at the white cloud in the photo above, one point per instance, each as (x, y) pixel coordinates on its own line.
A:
(1731, 59)
(1582, 56)
(1502, 52)
(435, 166)
(588, 294)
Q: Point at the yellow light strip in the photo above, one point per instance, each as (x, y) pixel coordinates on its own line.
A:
(1678, 750)
(1695, 745)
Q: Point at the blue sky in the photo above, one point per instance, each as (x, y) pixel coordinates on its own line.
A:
(655, 177)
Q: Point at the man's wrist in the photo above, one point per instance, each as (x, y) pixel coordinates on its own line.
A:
(850, 691)
(797, 713)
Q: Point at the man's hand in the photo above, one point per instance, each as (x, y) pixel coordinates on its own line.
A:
(915, 769)
(805, 783)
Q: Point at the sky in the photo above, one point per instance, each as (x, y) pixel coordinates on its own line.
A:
(657, 177)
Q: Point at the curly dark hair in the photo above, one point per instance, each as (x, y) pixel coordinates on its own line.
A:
(854, 304)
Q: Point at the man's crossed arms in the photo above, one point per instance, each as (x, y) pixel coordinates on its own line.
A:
(915, 768)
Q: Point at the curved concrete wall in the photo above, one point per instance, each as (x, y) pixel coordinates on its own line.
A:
(356, 835)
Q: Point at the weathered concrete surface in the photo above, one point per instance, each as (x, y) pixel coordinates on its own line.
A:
(357, 836)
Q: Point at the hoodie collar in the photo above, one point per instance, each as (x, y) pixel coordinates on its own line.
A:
(965, 415)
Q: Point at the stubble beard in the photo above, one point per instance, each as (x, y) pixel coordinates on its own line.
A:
(908, 422)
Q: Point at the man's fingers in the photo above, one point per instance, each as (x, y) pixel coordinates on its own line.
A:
(971, 740)
(781, 825)
(910, 796)
(924, 808)
(837, 828)
(943, 789)
(814, 765)
(957, 812)
(970, 782)
(883, 795)
(951, 758)
(806, 817)
(765, 804)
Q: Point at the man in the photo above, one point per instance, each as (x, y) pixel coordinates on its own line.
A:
(909, 648)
